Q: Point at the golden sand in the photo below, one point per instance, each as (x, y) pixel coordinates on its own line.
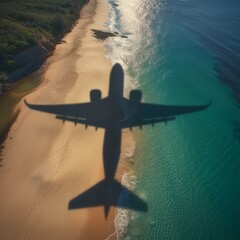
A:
(47, 163)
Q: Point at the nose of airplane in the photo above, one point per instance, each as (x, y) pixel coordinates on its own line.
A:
(117, 71)
(116, 82)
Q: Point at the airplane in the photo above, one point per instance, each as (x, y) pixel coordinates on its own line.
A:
(113, 113)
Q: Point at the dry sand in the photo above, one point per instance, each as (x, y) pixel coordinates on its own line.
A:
(47, 163)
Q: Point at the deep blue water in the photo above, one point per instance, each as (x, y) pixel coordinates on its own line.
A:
(188, 171)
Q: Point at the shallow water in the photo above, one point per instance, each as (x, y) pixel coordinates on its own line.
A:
(9, 101)
(184, 52)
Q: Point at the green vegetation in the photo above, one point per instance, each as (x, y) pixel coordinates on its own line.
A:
(24, 22)
(3, 77)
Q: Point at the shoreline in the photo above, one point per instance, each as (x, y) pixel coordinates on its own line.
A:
(37, 185)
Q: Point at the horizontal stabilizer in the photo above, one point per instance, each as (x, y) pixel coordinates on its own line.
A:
(107, 193)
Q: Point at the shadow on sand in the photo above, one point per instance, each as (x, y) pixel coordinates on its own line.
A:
(113, 113)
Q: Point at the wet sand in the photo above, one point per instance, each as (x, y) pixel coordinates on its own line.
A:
(47, 163)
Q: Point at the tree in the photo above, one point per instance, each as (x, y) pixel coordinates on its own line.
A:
(3, 78)
(58, 24)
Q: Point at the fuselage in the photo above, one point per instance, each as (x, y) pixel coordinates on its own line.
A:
(115, 113)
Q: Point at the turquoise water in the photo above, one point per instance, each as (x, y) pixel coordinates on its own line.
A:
(188, 170)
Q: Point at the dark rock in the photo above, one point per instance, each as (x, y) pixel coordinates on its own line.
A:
(61, 41)
(102, 35)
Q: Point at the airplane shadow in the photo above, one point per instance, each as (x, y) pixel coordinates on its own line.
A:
(113, 113)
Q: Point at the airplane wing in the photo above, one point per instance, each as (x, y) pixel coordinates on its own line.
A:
(144, 113)
(81, 113)
(70, 110)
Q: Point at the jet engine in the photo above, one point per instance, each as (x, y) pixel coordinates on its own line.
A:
(95, 95)
(135, 96)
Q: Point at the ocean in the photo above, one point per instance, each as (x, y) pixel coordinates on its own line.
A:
(182, 52)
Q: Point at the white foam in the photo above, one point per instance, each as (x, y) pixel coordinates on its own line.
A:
(123, 215)
(116, 50)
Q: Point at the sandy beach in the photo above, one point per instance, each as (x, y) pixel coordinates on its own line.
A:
(47, 163)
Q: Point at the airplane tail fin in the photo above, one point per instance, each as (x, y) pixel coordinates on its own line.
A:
(107, 193)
